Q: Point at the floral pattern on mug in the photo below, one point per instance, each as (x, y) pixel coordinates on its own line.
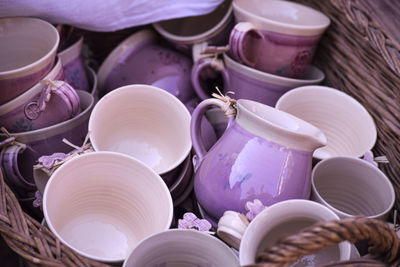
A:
(300, 63)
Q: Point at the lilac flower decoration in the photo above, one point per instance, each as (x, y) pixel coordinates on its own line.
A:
(369, 157)
(190, 221)
(49, 161)
(38, 200)
(254, 208)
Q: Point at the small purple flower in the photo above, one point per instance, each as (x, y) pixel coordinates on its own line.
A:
(254, 208)
(369, 157)
(190, 221)
(38, 200)
(49, 161)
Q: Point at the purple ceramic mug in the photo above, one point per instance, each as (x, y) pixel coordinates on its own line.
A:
(249, 83)
(278, 37)
(17, 161)
(45, 104)
(264, 154)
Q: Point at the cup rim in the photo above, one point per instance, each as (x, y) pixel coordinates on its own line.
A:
(96, 154)
(368, 165)
(195, 233)
(287, 28)
(71, 52)
(51, 54)
(271, 78)
(31, 92)
(197, 38)
(287, 205)
(131, 42)
(324, 90)
(133, 88)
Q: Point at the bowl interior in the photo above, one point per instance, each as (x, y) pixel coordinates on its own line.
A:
(352, 187)
(109, 202)
(24, 41)
(145, 122)
(181, 248)
(349, 128)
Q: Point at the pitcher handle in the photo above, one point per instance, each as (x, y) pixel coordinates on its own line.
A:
(195, 124)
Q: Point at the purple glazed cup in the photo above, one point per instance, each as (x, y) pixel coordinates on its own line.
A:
(252, 84)
(263, 154)
(278, 37)
(74, 69)
(17, 162)
(45, 104)
(28, 48)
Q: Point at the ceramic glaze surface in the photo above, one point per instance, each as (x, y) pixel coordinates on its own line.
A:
(245, 167)
(27, 50)
(159, 66)
(295, 52)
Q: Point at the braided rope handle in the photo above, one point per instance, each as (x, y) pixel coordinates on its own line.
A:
(383, 240)
(31, 240)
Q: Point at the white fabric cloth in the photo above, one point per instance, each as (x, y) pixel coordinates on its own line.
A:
(106, 15)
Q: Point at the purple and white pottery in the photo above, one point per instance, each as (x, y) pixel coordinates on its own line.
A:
(264, 154)
(74, 69)
(48, 102)
(28, 48)
(17, 161)
(213, 28)
(140, 59)
(274, 36)
(252, 84)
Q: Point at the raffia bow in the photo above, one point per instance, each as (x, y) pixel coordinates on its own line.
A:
(11, 140)
(49, 164)
(229, 103)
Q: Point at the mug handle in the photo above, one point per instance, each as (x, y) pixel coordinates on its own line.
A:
(195, 125)
(238, 35)
(199, 66)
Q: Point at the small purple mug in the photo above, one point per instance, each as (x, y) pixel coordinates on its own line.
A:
(47, 103)
(278, 37)
(249, 83)
(18, 157)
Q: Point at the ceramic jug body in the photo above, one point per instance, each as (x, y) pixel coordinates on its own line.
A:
(263, 154)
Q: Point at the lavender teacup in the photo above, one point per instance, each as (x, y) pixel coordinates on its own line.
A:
(28, 49)
(17, 160)
(48, 102)
(278, 37)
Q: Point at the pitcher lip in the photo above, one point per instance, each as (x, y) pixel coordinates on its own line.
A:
(284, 128)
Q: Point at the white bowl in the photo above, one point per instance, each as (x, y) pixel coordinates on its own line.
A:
(349, 128)
(102, 204)
(144, 122)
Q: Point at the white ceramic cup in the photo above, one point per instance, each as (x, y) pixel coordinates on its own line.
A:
(144, 122)
(181, 247)
(102, 204)
(348, 126)
(350, 186)
(281, 219)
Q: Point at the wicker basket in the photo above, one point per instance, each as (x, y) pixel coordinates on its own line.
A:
(358, 57)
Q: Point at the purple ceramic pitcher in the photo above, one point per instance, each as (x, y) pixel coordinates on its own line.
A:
(264, 154)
